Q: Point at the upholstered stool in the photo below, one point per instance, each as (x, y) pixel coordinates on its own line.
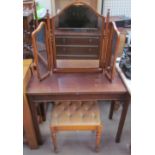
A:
(76, 115)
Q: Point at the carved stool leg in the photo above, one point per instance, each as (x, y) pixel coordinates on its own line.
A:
(53, 136)
(98, 137)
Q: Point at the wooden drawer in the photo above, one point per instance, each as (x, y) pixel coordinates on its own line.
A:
(77, 40)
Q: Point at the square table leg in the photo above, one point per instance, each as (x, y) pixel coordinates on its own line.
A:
(35, 121)
(111, 109)
(122, 120)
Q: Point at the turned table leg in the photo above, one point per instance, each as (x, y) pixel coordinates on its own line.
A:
(122, 120)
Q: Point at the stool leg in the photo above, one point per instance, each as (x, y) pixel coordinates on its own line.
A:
(98, 137)
(53, 136)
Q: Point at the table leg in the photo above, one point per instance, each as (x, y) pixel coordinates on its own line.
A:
(41, 114)
(28, 125)
(122, 120)
(35, 121)
(43, 111)
(111, 109)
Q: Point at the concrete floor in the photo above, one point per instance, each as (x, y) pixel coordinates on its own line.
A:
(83, 143)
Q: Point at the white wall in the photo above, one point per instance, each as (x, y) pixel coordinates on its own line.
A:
(47, 4)
(117, 7)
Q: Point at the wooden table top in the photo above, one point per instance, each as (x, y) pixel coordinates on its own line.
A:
(75, 83)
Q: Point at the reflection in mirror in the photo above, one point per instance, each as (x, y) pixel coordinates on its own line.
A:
(113, 47)
(78, 37)
(41, 46)
(41, 53)
(114, 43)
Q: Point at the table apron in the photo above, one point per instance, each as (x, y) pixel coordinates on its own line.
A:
(48, 98)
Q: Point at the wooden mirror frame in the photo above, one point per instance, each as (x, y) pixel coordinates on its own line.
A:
(110, 58)
(104, 32)
(37, 55)
(107, 59)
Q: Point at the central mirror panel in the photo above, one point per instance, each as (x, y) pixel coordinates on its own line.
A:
(78, 32)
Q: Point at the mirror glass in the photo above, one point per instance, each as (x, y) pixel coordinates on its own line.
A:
(42, 49)
(78, 37)
(113, 45)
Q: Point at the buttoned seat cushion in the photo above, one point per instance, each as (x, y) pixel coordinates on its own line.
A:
(75, 113)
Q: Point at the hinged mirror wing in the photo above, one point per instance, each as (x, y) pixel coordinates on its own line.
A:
(41, 51)
(112, 50)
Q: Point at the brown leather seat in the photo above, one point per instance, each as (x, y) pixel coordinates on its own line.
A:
(76, 115)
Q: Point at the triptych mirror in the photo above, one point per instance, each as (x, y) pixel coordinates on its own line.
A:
(77, 39)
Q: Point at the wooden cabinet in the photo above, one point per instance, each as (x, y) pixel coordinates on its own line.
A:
(28, 125)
